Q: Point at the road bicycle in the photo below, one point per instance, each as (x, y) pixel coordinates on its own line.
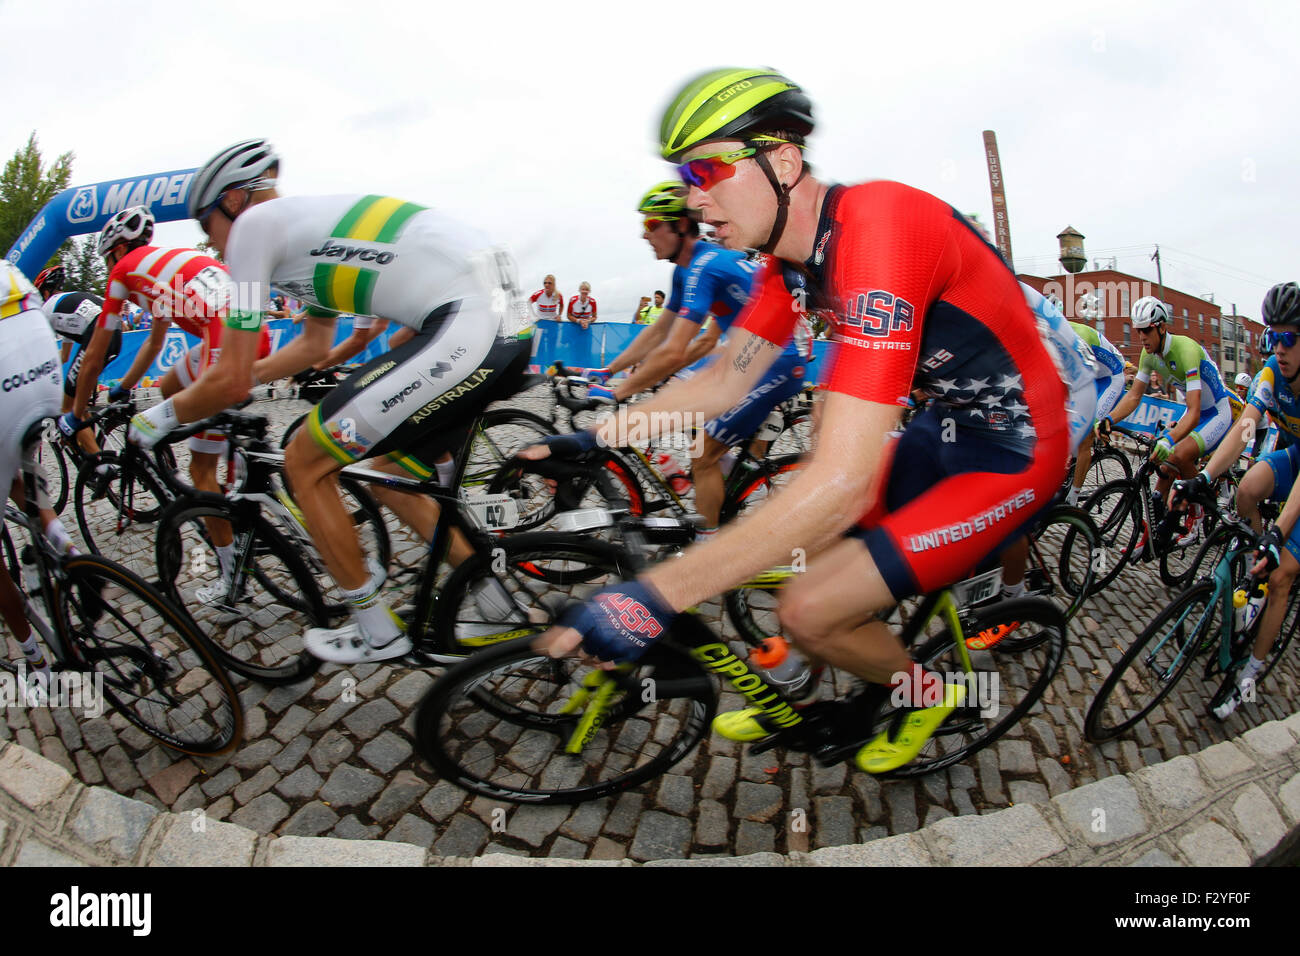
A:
(513, 724)
(106, 629)
(1199, 621)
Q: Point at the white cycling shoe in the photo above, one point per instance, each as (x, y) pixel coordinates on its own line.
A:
(349, 645)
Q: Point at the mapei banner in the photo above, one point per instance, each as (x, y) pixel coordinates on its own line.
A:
(84, 209)
(1155, 415)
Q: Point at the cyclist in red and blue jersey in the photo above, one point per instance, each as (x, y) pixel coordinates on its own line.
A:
(920, 300)
(709, 281)
(1273, 391)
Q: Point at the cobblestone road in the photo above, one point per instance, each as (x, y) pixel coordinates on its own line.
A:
(317, 762)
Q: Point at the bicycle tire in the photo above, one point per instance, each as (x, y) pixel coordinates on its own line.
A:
(1062, 559)
(53, 462)
(259, 635)
(1107, 465)
(1116, 513)
(749, 490)
(1179, 563)
(542, 572)
(495, 724)
(1025, 667)
(121, 533)
(1178, 633)
(169, 683)
(537, 505)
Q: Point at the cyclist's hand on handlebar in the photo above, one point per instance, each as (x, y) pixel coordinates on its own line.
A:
(1270, 552)
(599, 375)
(574, 445)
(1198, 486)
(70, 424)
(601, 395)
(1104, 426)
(1162, 448)
(119, 394)
(617, 623)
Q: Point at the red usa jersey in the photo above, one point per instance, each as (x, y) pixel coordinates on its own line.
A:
(582, 310)
(920, 300)
(179, 285)
(546, 306)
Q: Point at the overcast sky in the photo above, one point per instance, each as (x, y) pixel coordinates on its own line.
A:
(1137, 124)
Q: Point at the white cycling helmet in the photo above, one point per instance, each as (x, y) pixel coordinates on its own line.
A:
(132, 225)
(1148, 311)
(242, 165)
(1242, 380)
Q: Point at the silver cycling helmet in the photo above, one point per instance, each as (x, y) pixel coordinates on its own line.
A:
(1148, 311)
(242, 165)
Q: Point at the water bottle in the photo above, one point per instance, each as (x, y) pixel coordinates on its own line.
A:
(678, 475)
(1248, 604)
(772, 426)
(784, 667)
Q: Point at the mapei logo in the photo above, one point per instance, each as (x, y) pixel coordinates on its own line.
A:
(878, 313)
(84, 206)
(174, 349)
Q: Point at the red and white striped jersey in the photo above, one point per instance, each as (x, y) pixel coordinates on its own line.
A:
(582, 310)
(178, 285)
(546, 306)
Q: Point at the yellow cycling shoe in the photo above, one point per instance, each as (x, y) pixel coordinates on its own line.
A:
(743, 725)
(883, 754)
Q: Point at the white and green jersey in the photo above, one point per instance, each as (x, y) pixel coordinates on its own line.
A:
(367, 255)
(1183, 362)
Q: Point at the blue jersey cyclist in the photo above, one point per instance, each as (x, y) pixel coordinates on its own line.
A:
(1273, 391)
(1109, 379)
(708, 281)
(1179, 361)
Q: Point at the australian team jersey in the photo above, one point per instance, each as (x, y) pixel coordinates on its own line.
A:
(179, 285)
(718, 282)
(546, 306)
(1183, 362)
(72, 315)
(920, 300)
(367, 255)
(1272, 394)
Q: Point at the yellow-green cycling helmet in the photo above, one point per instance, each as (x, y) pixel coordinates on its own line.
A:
(667, 198)
(722, 104)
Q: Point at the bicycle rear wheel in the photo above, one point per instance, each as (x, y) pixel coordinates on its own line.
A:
(1116, 512)
(1154, 663)
(118, 514)
(1063, 559)
(257, 620)
(499, 723)
(146, 658)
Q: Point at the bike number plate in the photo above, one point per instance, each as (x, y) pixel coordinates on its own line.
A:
(979, 588)
(493, 512)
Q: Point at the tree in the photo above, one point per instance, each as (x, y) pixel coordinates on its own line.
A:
(25, 188)
(84, 266)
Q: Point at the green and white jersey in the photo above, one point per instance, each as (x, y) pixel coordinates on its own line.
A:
(1183, 362)
(367, 255)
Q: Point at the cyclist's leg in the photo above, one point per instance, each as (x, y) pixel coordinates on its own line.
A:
(706, 473)
(1270, 477)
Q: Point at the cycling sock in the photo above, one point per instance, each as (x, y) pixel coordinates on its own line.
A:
(706, 532)
(225, 557)
(32, 651)
(369, 609)
(1072, 496)
(58, 536)
(1013, 590)
(446, 471)
(1252, 667)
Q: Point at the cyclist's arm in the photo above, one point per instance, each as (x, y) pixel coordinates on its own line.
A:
(303, 352)
(92, 363)
(666, 360)
(1234, 442)
(400, 337)
(704, 343)
(1127, 405)
(148, 352)
(646, 340)
(1183, 427)
(354, 344)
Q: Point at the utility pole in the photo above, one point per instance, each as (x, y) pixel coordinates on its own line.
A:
(1160, 276)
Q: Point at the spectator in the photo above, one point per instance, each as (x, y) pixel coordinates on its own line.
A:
(582, 307)
(646, 313)
(546, 303)
(279, 308)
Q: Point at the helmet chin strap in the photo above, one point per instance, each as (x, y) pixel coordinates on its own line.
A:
(782, 201)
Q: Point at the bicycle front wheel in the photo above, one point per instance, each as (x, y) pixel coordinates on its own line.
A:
(514, 725)
(1154, 662)
(1063, 559)
(118, 512)
(146, 658)
(257, 617)
(1025, 641)
(1116, 512)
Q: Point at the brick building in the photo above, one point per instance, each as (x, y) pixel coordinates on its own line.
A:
(1104, 298)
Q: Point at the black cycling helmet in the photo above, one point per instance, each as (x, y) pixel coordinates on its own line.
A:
(1282, 304)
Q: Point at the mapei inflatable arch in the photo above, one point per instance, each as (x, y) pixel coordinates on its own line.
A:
(82, 209)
